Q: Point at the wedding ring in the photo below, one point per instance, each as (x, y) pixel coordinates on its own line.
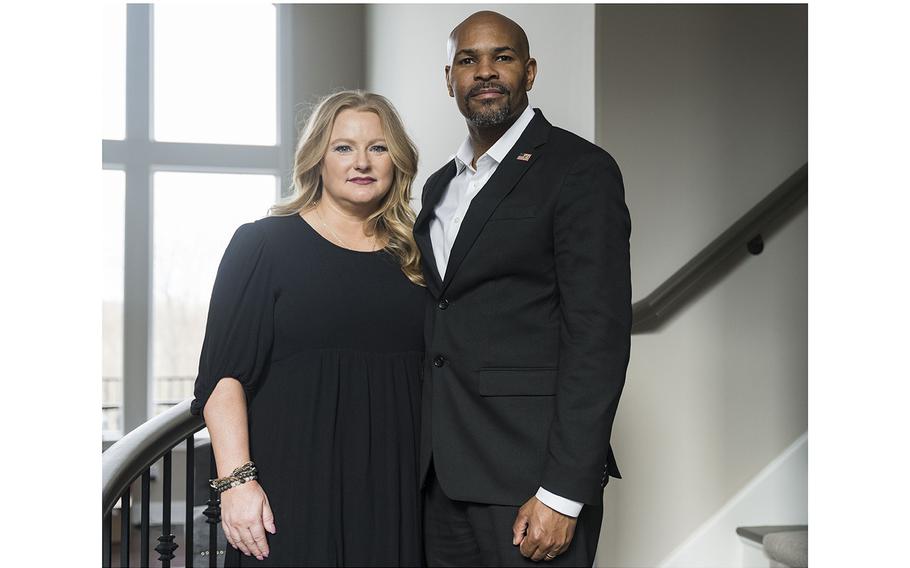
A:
(549, 556)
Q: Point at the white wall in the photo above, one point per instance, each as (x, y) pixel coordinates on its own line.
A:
(322, 62)
(704, 108)
(318, 63)
(406, 57)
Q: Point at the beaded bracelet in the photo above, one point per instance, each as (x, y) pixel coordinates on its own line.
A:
(240, 475)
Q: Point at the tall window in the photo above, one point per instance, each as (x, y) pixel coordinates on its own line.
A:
(190, 152)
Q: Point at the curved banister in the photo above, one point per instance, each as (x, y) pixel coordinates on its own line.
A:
(122, 462)
(720, 256)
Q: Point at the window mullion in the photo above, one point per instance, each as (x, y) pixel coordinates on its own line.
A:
(139, 72)
(287, 119)
(137, 296)
(212, 157)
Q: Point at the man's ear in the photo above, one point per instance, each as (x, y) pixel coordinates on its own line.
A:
(448, 84)
(530, 73)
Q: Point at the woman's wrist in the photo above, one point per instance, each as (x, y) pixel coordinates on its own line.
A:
(241, 474)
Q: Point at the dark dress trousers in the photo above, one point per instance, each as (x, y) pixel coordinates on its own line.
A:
(527, 336)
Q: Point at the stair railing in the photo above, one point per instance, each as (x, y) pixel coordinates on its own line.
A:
(131, 458)
(744, 237)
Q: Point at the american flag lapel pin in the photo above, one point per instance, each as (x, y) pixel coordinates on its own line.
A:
(524, 157)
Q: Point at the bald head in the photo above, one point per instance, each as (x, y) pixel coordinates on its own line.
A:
(493, 21)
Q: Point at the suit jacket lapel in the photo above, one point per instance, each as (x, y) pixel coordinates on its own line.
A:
(507, 175)
(422, 226)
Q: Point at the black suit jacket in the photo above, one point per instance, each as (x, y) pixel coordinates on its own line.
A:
(528, 335)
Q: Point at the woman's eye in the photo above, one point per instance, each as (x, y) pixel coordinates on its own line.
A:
(379, 148)
(342, 148)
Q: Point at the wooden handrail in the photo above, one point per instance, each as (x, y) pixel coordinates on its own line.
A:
(720, 256)
(132, 454)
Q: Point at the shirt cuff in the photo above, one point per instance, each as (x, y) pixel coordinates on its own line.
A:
(561, 504)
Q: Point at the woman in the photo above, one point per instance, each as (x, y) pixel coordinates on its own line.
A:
(311, 362)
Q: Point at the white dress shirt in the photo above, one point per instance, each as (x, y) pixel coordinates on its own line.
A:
(449, 214)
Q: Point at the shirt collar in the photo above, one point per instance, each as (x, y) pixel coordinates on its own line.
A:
(497, 151)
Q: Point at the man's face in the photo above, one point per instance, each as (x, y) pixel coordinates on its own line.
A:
(488, 76)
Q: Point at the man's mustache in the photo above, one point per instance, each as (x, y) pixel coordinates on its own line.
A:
(486, 87)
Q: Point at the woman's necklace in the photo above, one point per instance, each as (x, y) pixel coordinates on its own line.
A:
(334, 234)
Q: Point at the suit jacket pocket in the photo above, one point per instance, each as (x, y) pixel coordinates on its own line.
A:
(518, 381)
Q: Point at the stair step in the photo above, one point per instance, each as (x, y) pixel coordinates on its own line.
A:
(757, 534)
(790, 548)
(787, 545)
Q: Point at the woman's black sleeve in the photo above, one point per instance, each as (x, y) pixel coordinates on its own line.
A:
(239, 328)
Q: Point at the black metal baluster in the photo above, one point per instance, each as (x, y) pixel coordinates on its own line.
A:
(213, 516)
(125, 528)
(144, 528)
(166, 545)
(190, 499)
(106, 541)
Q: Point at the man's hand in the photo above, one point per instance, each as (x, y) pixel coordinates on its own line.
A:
(540, 532)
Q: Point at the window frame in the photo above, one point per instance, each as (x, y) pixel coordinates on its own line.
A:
(139, 156)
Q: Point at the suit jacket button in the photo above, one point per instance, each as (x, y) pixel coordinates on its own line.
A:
(443, 304)
(439, 361)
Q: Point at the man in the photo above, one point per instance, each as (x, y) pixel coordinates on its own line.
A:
(525, 244)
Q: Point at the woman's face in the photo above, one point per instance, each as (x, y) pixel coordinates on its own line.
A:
(357, 169)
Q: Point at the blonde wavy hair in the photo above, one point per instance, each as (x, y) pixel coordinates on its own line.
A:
(394, 218)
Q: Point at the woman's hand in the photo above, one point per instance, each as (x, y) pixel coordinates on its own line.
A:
(245, 511)
(245, 516)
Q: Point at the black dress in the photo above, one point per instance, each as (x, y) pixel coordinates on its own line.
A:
(328, 344)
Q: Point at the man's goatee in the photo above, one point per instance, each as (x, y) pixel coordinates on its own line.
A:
(490, 116)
